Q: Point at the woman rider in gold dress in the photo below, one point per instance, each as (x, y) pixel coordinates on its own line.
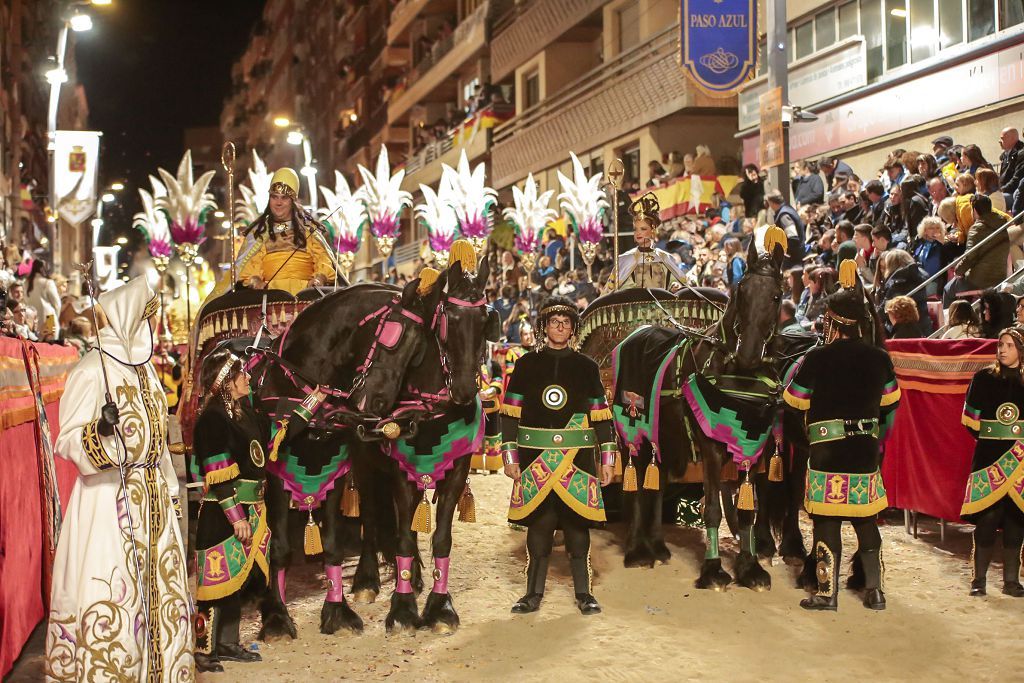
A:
(286, 254)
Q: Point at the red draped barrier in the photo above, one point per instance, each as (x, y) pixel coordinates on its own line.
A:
(23, 549)
(928, 452)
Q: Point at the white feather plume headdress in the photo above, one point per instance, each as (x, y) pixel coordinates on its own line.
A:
(530, 215)
(471, 198)
(583, 201)
(345, 214)
(437, 213)
(256, 194)
(186, 202)
(384, 197)
(152, 222)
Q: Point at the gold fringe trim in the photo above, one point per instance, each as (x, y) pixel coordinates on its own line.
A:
(467, 505)
(889, 399)
(222, 475)
(512, 411)
(775, 468)
(629, 476)
(600, 415)
(421, 519)
(350, 499)
(279, 439)
(793, 401)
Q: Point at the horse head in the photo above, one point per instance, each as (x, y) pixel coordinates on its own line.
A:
(463, 324)
(752, 316)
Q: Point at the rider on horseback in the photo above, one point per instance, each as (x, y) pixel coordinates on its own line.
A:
(287, 253)
(849, 392)
(555, 414)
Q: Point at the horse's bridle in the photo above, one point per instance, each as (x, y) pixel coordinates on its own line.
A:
(440, 327)
(388, 334)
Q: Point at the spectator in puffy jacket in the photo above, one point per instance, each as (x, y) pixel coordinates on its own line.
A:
(985, 267)
(899, 275)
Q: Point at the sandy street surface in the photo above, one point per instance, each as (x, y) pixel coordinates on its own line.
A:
(655, 625)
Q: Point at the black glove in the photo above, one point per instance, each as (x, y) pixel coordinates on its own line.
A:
(109, 417)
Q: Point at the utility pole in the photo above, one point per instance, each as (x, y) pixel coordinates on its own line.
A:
(778, 77)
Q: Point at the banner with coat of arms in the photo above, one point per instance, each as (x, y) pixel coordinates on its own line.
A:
(76, 162)
(718, 44)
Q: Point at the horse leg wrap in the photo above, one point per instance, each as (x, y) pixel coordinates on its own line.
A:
(403, 574)
(747, 540)
(441, 575)
(335, 589)
(282, 582)
(712, 551)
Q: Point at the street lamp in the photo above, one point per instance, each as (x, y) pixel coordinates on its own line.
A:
(282, 121)
(107, 197)
(56, 76)
(80, 22)
(117, 187)
(295, 137)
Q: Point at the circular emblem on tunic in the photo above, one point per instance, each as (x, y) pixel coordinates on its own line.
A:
(256, 453)
(554, 397)
(823, 431)
(1007, 413)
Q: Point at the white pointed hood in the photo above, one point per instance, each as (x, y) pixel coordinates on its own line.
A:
(127, 337)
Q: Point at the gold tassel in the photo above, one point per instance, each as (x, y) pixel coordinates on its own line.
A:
(467, 505)
(629, 476)
(745, 499)
(618, 465)
(350, 500)
(652, 477)
(775, 468)
(312, 543)
(278, 439)
(421, 519)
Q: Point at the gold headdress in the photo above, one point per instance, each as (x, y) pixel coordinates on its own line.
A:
(428, 278)
(647, 208)
(286, 182)
(772, 236)
(229, 365)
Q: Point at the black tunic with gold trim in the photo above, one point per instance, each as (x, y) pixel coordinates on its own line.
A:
(230, 456)
(992, 412)
(849, 392)
(555, 418)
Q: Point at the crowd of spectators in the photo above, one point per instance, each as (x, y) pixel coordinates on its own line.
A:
(903, 222)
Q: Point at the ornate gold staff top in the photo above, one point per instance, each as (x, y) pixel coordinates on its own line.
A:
(614, 172)
(227, 159)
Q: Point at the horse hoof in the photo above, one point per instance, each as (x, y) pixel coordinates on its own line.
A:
(661, 552)
(641, 556)
(439, 614)
(713, 577)
(750, 574)
(337, 615)
(403, 616)
(366, 596)
(277, 625)
(794, 560)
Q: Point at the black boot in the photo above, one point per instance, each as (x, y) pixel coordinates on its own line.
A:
(585, 601)
(1011, 572)
(207, 624)
(827, 597)
(208, 663)
(233, 652)
(982, 557)
(536, 575)
(871, 565)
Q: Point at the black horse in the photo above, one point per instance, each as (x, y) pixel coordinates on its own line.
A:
(740, 347)
(442, 394)
(356, 344)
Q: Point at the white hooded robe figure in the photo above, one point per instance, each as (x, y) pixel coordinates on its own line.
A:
(100, 607)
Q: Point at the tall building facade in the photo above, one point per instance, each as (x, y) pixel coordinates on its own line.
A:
(882, 74)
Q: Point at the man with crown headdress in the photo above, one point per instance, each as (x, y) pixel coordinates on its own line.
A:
(849, 393)
(288, 253)
(645, 265)
(119, 606)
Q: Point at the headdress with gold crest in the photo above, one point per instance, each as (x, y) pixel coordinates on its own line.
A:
(846, 309)
(286, 182)
(647, 208)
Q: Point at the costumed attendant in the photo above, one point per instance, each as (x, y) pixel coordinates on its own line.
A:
(645, 265)
(554, 420)
(490, 382)
(849, 392)
(286, 254)
(119, 608)
(526, 341)
(995, 489)
(232, 532)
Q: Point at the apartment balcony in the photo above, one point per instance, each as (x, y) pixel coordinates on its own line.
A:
(533, 29)
(392, 136)
(447, 55)
(424, 167)
(402, 16)
(621, 96)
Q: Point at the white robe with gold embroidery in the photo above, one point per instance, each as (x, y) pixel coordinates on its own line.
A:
(99, 608)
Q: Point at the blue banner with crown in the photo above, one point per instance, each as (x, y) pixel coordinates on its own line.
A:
(718, 43)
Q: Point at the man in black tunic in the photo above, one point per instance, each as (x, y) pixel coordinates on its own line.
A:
(995, 489)
(555, 419)
(849, 392)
